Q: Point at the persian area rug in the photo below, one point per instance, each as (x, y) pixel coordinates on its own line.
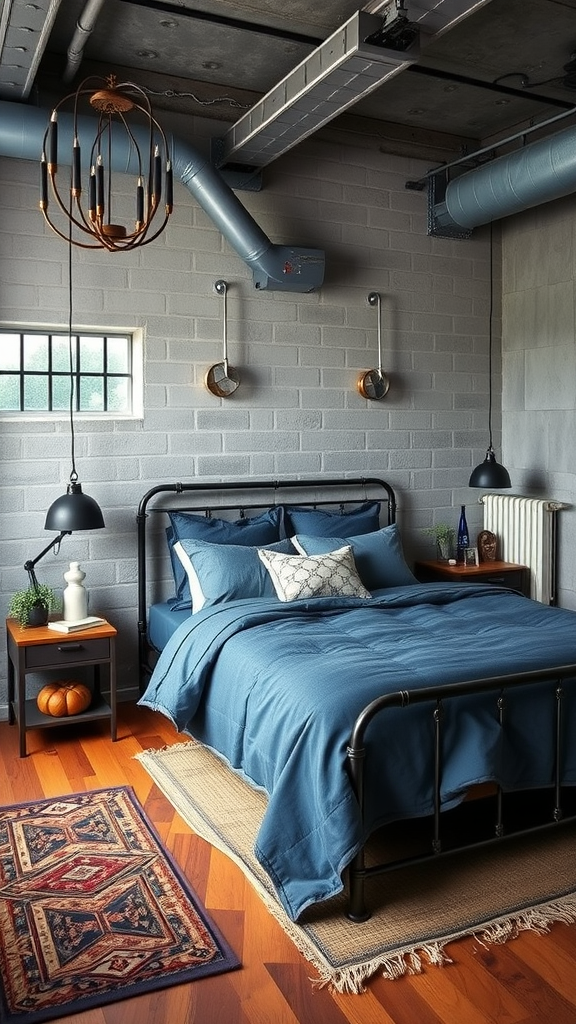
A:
(93, 909)
(492, 893)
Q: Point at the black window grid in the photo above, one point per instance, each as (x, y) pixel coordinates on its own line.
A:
(77, 374)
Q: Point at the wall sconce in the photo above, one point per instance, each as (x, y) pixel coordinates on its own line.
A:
(374, 384)
(222, 379)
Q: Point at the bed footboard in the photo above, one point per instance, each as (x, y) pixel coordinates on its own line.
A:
(561, 676)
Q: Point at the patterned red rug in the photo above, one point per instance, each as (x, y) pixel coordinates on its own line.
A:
(93, 909)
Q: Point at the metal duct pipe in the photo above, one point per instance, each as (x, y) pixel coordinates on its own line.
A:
(536, 174)
(273, 266)
(84, 29)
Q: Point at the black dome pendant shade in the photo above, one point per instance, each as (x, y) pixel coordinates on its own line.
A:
(74, 511)
(490, 473)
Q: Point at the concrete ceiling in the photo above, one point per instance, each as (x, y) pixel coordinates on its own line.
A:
(497, 71)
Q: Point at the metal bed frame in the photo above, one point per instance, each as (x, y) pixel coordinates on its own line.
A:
(344, 491)
(436, 696)
(336, 493)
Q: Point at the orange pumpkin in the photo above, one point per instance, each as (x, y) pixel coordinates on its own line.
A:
(61, 699)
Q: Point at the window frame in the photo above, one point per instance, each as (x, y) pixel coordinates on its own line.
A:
(135, 337)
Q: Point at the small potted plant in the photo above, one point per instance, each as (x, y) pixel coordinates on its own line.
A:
(31, 607)
(444, 536)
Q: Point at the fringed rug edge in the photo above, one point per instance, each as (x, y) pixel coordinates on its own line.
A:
(408, 960)
(413, 959)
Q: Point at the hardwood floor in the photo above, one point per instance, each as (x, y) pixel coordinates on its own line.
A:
(531, 980)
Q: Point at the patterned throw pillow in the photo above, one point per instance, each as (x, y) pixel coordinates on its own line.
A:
(300, 576)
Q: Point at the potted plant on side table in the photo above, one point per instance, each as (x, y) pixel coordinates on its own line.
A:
(31, 607)
(444, 535)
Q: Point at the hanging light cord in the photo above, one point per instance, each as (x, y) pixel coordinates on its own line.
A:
(73, 474)
(490, 316)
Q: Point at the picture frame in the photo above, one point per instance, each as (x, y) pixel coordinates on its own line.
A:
(471, 556)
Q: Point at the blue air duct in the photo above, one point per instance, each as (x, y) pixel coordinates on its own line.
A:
(274, 267)
(536, 174)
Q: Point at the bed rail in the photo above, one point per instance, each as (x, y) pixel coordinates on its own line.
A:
(358, 873)
(241, 496)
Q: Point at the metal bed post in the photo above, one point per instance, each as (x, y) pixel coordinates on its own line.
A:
(558, 814)
(436, 842)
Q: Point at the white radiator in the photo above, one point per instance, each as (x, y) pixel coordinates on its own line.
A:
(526, 532)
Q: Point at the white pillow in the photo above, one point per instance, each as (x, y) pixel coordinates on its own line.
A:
(196, 592)
(299, 576)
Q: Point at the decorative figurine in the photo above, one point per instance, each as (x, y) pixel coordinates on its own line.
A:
(487, 544)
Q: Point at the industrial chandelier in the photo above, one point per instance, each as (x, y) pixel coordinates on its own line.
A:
(113, 145)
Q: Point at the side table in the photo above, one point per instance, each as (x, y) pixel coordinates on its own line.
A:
(503, 574)
(37, 648)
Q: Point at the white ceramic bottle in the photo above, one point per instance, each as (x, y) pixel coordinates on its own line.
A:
(75, 596)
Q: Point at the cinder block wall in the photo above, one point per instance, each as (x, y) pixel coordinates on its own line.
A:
(297, 412)
(539, 364)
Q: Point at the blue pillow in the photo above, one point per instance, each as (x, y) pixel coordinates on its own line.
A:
(318, 523)
(378, 556)
(256, 530)
(226, 572)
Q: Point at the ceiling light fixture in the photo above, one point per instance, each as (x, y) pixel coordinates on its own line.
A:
(113, 103)
(490, 473)
(342, 70)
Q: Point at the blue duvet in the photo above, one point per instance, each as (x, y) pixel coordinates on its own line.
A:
(275, 689)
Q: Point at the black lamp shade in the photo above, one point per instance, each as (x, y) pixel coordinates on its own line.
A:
(490, 474)
(74, 511)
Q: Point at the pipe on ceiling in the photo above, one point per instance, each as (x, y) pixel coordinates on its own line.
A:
(84, 29)
(274, 267)
(536, 174)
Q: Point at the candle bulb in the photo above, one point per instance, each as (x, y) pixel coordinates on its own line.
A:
(139, 203)
(53, 143)
(43, 183)
(92, 194)
(76, 174)
(99, 187)
(157, 189)
(169, 188)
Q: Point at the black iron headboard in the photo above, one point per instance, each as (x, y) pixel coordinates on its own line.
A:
(248, 495)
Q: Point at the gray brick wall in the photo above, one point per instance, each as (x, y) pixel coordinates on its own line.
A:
(297, 411)
(539, 367)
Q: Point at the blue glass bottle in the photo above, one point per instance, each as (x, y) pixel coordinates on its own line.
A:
(463, 537)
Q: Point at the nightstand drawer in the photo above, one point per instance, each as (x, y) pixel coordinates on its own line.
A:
(57, 655)
(515, 580)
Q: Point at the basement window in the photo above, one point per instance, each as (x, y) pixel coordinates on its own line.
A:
(39, 374)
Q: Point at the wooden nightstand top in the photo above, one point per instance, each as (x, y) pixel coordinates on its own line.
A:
(484, 569)
(31, 636)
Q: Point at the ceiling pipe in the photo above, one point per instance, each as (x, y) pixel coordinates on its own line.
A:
(536, 174)
(84, 29)
(274, 267)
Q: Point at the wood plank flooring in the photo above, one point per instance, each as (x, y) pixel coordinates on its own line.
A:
(531, 980)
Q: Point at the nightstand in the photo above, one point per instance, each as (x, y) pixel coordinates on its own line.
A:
(503, 574)
(36, 649)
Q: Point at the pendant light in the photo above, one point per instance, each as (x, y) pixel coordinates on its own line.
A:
(108, 141)
(490, 474)
(73, 511)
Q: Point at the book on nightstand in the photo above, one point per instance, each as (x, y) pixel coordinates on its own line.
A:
(75, 625)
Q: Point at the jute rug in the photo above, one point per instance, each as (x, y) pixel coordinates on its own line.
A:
(417, 911)
(93, 909)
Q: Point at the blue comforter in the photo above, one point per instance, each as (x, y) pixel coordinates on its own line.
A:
(275, 689)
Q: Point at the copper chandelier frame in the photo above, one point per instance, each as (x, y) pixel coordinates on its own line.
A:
(113, 103)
